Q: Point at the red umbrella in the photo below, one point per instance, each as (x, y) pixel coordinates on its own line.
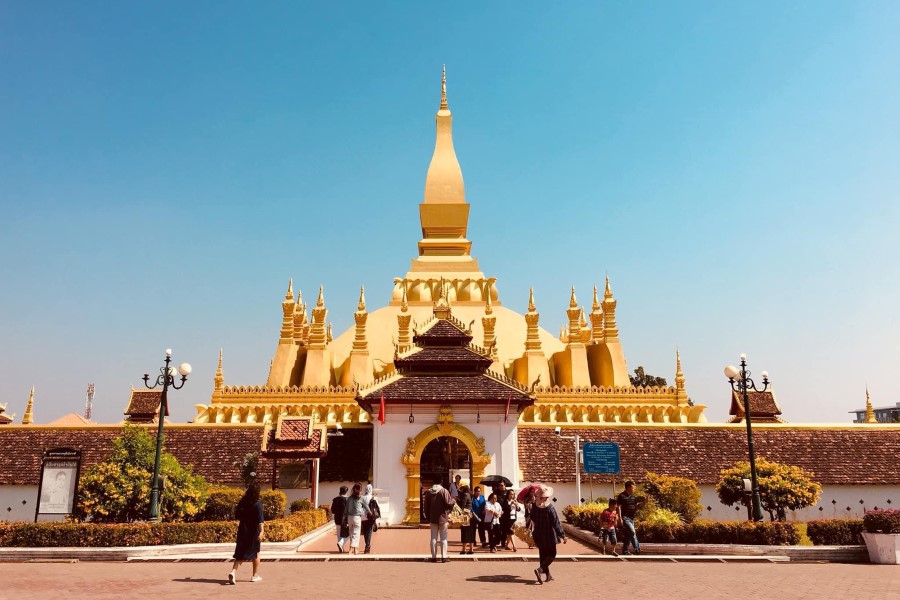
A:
(525, 491)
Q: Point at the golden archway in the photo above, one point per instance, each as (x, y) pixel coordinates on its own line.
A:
(412, 456)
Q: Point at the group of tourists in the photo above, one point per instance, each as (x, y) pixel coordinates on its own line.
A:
(493, 518)
(355, 514)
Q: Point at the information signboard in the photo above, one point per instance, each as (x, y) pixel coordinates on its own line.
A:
(601, 457)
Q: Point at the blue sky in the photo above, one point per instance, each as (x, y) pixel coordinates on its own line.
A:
(165, 167)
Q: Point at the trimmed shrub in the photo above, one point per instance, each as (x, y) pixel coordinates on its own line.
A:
(715, 532)
(882, 521)
(677, 494)
(835, 532)
(298, 505)
(663, 516)
(327, 509)
(84, 535)
(222, 501)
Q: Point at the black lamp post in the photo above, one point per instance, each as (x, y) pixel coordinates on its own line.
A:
(166, 379)
(740, 382)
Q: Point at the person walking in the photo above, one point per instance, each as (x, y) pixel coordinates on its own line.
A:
(492, 514)
(437, 510)
(609, 518)
(547, 531)
(478, 501)
(628, 505)
(249, 513)
(466, 531)
(370, 522)
(356, 509)
(338, 508)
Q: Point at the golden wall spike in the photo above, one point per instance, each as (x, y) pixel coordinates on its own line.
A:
(28, 419)
(219, 379)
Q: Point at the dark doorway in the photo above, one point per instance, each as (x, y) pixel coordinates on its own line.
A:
(442, 459)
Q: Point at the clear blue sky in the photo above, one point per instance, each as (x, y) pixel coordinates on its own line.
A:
(166, 166)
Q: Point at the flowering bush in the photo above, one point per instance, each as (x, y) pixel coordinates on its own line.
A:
(677, 494)
(882, 521)
(117, 490)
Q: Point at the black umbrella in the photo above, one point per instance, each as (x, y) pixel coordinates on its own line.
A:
(495, 480)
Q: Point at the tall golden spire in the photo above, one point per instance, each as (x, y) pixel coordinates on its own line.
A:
(870, 412)
(219, 379)
(680, 394)
(360, 316)
(28, 419)
(596, 320)
(532, 336)
(574, 314)
(444, 88)
(287, 321)
(317, 334)
(609, 313)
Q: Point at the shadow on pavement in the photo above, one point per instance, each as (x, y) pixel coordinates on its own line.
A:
(502, 579)
(200, 580)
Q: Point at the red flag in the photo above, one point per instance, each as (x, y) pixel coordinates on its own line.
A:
(508, 400)
(381, 415)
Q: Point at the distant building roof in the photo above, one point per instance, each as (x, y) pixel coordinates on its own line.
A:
(845, 455)
(143, 406)
(763, 407)
(72, 419)
(294, 438)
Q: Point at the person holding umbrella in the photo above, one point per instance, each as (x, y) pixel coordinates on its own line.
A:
(546, 530)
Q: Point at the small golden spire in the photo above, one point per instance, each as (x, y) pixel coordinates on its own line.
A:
(583, 320)
(289, 295)
(444, 88)
(595, 305)
(488, 309)
(362, 299)
(28, 419)
(531, 306)
(320, 302)
(573, 303)
(329, 337)
(219, 380)
(608, 292)
(404, 304)
(870, 412)
(680, 394)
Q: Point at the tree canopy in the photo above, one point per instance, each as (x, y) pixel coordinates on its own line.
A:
(117, 490)
(642, 379)
(781, 487)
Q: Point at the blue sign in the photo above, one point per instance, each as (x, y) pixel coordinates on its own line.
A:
(601, 457)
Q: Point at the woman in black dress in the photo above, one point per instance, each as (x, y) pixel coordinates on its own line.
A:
(249, 513)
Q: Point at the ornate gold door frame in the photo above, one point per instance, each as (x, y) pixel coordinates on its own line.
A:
(412, 457)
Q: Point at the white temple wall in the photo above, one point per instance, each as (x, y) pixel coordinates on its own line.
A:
(390, 439)
(11, 506)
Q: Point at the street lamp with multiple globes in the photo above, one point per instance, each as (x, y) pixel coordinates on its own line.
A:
(166, 379)
(740, 382)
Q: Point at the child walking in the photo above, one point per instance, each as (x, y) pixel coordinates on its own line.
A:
(609, 518)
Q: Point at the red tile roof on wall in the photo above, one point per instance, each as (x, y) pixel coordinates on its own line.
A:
(836, 455)
(211, 449)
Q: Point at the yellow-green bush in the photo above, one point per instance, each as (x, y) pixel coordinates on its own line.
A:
(222, 501)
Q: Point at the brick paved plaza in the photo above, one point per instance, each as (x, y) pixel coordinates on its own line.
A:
(498, 579)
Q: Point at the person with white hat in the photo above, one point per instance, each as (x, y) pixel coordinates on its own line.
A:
(547, 531)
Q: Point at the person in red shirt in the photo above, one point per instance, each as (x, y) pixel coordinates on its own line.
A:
(609, 518)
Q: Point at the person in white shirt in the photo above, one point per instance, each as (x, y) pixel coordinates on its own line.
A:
(492, 513)
(454, 487)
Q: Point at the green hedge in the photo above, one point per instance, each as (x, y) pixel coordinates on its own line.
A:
(716, 532)
(835, 532)
(699, 532)
(84, 535)
(222, 501)
(882, 521)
